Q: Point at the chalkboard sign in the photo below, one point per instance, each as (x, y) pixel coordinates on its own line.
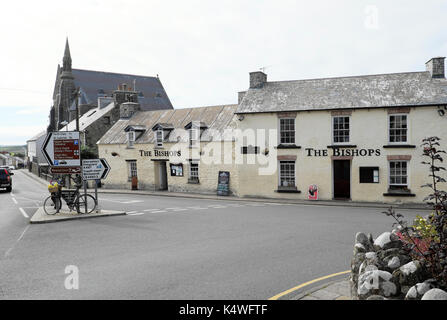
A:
(223, 184)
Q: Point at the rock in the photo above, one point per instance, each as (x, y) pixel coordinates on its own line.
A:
(393, 263)
(359, 248)
(417, 291)
(361, 238)
(375, 282)
(435, 294)
(408, 275)
(376, 297)
(371, 258)
(383, 239)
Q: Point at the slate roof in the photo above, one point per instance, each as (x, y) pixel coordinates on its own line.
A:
(88, 118)
(371, 91)
(217, 118)
(92, 83)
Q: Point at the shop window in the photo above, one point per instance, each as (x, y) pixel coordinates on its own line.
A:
(193, 172)
(398, 175)
(131, 169)
(287, 174)
(287, 131)
(398, 128)
(369, 174)
(159, 138)
(250, 150)
(340, 126)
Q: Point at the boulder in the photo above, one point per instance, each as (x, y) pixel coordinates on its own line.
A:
(376, 297)
(375, 282)
(435, 294)
(417, 291)
(361, 238)
(393, 263)
(408, 275)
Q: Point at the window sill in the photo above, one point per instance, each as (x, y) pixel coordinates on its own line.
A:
(399, 193)
(287, 146)
(409, 146)
(193, 181)
(334, 146)
(287, 190)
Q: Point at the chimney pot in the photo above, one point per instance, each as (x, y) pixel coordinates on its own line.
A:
(436, 67)
(257, 79)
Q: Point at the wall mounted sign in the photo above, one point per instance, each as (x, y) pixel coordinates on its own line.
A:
(176, 170)
(223, 183)
(343, 152)
(160, 153)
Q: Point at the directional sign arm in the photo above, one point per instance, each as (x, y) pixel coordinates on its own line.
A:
(106, 168)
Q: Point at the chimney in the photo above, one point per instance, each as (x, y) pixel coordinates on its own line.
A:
(257, 79)
(436, 67)
(127, 109)
(240, 96)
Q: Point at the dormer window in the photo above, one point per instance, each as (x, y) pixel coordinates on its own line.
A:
(195, 129)
(130, 138)
(159, 134)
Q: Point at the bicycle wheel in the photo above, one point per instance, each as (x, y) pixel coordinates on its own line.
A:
(83, 202)
(51, 207)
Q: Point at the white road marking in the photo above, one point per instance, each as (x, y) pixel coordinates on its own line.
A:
(135, 214)
(14, 199)
(17, 241)
(197, 208)
(132, 211)
(23, 213)
(159, 211)
(217, 206)
(179, 209)
(151, 209)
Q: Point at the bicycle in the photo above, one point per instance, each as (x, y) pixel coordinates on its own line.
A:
(82, 203)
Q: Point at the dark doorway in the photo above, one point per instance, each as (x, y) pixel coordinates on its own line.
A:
(163, 176)
(342, 179)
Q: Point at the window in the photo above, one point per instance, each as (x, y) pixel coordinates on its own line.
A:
(398, 128)
(159, 138)
(193, 171)
(130, 138)
(250, 150)
(287, 131)
(132, 169)
(398, 175)
(369, 174)
(340, 131)
(287, 174)
(193, 137)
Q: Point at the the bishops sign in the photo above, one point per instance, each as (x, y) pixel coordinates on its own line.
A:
(62, 149)
(94, 169)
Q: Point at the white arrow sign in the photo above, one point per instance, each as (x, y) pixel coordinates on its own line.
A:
(62, 149)
(94, 169)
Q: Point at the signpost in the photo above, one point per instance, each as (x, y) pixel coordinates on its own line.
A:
(62, 149)
(65, 170)
(95, 169)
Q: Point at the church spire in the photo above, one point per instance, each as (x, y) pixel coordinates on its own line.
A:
(66, 66)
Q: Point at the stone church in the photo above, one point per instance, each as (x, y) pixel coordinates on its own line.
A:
(101, 93)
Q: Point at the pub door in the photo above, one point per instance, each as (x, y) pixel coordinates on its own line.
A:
(163, 176)
(342, 179)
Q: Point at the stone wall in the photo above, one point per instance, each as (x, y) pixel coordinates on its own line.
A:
(382, 269)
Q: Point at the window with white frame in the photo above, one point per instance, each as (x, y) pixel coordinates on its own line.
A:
(398, 175)
(340, 129)
(287, 174)
(193, 136)
(287, 131)
(131, 169)
(159, 136)
(194, 171)
(398, 128)
(130, 138)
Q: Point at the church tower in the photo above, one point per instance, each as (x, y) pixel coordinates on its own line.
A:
(65, 90)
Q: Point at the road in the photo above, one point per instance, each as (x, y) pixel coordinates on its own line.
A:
(174, 248)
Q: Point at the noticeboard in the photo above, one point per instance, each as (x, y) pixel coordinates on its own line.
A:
(176, 170)
(223, 183)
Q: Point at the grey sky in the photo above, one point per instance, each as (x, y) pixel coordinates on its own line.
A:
(203, 50)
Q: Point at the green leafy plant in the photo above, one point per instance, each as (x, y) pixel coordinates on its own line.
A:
(426, 230)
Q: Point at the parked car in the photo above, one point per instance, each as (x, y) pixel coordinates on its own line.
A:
(6, 180)
(12, 167)
(7, 168)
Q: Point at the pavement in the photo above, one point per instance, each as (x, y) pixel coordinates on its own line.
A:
(176, 247)
(41, 217)
(333, 290)
(331, 203)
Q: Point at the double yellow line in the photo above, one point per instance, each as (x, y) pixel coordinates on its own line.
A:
(279, 295)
